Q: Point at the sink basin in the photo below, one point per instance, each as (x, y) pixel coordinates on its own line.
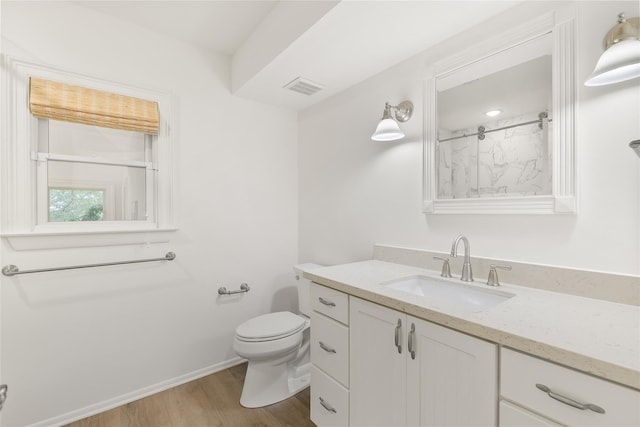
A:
(450, 293)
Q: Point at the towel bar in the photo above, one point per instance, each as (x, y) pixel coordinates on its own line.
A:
(12, 270)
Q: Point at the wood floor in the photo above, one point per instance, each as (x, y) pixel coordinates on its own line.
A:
(210, 401)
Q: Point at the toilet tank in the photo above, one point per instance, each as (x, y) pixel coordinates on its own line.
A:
(304, 300)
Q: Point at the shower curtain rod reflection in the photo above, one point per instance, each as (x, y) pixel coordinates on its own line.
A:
(482, 131)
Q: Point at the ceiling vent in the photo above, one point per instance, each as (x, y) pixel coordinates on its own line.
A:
(303, 86)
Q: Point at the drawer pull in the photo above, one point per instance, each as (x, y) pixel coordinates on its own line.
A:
(396, 337)
(326, 406)
(568, 401)
(326, 347)
(326, 302)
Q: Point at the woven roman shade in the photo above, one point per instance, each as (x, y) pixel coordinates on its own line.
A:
(61, 101)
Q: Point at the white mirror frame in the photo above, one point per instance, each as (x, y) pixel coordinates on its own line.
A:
(563, 162)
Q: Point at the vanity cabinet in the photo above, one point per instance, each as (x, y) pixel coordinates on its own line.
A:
(329, 404)
(534, 389)
(405, 371)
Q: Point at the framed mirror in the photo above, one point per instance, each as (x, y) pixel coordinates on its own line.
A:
(499, 125)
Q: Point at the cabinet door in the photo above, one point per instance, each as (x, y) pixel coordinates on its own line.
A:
(377, 369)
(452, 379)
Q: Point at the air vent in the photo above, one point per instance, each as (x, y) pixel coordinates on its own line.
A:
(303, 86)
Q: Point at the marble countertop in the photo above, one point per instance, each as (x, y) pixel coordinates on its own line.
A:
(594, 336)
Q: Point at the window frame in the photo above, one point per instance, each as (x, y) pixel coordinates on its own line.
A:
(20, 159)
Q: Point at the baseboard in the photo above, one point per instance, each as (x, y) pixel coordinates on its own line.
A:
(105, 405)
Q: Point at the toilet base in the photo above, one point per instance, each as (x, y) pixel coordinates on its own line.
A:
(266, 384)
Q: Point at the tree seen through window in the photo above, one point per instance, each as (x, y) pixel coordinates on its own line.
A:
(70, 204)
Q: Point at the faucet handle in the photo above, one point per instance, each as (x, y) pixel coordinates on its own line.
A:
(446, 268)
(493, 280)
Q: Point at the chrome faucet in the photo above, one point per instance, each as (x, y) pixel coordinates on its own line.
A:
(467, 274)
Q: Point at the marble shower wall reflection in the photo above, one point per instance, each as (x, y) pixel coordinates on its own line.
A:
(509, 162)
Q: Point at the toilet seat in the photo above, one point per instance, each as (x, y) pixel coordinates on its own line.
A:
(269, 327)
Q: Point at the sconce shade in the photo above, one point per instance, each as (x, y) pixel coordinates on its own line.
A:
(621, 59)
(618, 63)
(387, 130)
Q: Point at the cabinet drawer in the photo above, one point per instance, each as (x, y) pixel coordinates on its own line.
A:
(514, 416)
(521, 373)
(330, 302)
(330, 347)
(329, 401)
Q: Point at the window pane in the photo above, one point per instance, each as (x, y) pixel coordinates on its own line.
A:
(83, 140)
(123, 190)
(69, 204)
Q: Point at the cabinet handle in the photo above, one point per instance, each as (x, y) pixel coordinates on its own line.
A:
(326, 302)
(569, 401)
(411, 344)
(326, 347)
(3, 394)
(397, 336)
(326, 406)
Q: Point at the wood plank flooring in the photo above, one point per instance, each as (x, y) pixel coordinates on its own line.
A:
(210, 401)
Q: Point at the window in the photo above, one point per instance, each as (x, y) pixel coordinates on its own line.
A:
(83, 167)
(82, 178)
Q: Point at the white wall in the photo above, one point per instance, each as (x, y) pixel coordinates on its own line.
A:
(76, 339)
(355, 192)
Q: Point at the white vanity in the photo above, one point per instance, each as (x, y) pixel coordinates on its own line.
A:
(385, 357)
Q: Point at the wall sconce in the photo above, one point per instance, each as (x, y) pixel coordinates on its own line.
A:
(635, 146)
(621, 59)
(388, 129)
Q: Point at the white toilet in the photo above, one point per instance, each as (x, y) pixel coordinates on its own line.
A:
(277, 348)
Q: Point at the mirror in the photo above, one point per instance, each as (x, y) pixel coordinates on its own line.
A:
(497, 126)
(493, 127)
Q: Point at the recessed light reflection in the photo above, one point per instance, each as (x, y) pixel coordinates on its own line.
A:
(493, 113)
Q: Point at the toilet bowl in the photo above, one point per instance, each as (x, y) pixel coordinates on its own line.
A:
(276, 346)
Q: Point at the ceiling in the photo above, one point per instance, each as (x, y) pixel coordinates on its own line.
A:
(334, 43)
(216, 26)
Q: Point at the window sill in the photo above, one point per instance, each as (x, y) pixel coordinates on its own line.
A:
(88, 238)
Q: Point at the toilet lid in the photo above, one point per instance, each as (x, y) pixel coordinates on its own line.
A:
(270, 326)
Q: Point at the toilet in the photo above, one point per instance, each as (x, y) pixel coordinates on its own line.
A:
(277, 348)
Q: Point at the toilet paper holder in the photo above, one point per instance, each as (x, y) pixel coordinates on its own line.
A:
(243, 288)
